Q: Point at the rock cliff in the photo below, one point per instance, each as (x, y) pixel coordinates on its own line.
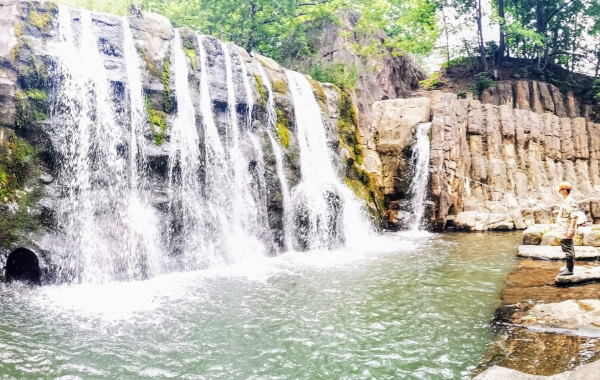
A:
(512, 150)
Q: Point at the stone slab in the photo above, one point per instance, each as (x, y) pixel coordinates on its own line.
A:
(579, 317)
(585, 372)
(581, 274)
(545, 252)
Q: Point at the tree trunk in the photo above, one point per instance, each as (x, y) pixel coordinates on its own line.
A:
(501, 47)
(480, 33)
(447, 37)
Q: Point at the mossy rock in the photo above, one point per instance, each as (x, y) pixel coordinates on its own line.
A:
(32, 98)
(189, 42)
(263, 95)
(40, 16)
(283, 128)
(158, 123)
(279, 86)
(18, 163)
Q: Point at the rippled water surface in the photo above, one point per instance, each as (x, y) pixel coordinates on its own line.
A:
(408, 307)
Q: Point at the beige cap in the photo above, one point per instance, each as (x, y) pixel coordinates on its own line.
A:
(564, 185)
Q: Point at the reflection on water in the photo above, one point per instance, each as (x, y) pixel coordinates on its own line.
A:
(409, 306)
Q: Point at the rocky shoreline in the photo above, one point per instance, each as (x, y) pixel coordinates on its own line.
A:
(544, 325)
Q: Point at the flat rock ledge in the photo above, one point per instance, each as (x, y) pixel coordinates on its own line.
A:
(586, 372)
(546, 252)
(581, 275)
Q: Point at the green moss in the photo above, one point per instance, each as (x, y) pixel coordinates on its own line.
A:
(280, 86)
(37, 19)
(318, 91)
(158, 121)
(283, 130)
(264, 97)
(17, 166)
(32, 107)
(14, 225)
(18, 29)
(191, 53)
(15, 52)
(165, 78)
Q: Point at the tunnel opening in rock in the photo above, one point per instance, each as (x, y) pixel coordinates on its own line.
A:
(23, 265)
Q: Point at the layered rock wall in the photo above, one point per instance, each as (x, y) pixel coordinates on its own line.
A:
(539, 97)
(516, 152)
(516, 158)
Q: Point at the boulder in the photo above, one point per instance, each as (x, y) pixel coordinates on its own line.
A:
(533, 234)
(550, 238)
(471, 221)
(591, 236)
(518, 220)
(500, 222)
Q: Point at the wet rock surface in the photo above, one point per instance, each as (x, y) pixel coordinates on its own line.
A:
(555, 252)
(542, 328)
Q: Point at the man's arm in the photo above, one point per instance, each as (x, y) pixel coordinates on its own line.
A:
(571, 231)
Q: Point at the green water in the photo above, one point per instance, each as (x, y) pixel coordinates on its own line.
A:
(413, 307)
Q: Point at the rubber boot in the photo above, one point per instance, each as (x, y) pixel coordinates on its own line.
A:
(568, 271)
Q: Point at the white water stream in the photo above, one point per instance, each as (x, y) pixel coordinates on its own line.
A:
(329, 212)
(420, 175)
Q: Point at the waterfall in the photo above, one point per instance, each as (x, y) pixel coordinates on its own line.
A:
(93, 171)
(277, 150)
(326, 213)
(115, 222)
(420, 175)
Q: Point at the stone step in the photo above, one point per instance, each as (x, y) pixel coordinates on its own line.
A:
(546, 252)
(581, 275)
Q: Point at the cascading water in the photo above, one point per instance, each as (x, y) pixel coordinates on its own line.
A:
(326, 213)
(420, 174)
(217, 210)
(277, 150)
(98, 242)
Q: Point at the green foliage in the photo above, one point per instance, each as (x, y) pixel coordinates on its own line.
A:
(462, 94)
(340, 74)
(119, 7)
(433, 82)
(482, 82)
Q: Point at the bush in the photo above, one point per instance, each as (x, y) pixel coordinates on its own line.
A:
(341, 75)
(433, 82)
(482, 82)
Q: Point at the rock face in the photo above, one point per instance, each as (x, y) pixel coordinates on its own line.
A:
(32, 138)
(517, 144)
(534, 96)
(389, 76)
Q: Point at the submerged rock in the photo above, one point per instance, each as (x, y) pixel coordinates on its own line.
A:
(588, 371)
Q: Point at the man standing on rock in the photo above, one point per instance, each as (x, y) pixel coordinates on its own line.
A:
(567, 221)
